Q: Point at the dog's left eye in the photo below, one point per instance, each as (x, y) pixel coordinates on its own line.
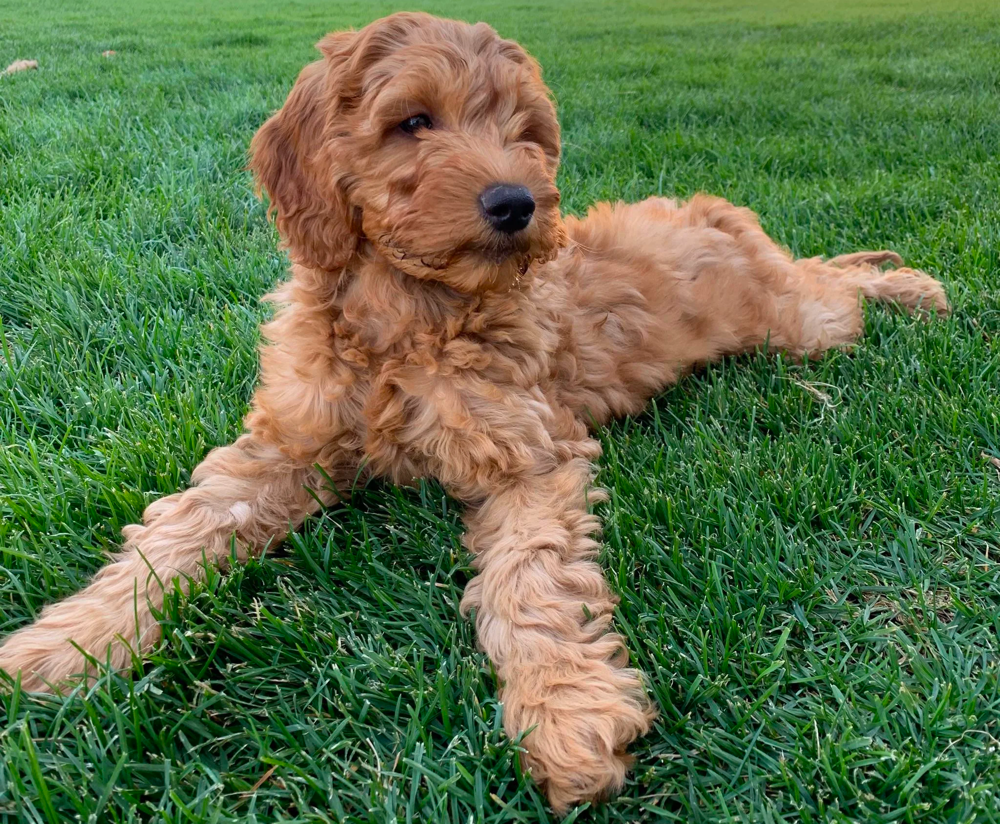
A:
(415, 123)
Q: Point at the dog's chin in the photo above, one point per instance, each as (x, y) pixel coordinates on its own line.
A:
(500, 250)
(496, 264)
(472, 273)
(504, 263)
(507, 259)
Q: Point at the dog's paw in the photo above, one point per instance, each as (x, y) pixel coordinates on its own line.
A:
(581, 718)
(46, 661)
(915, 291)
(46, 658)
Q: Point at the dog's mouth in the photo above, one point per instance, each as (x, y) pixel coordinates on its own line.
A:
(496, 251)
(408, 259)
(499, 249)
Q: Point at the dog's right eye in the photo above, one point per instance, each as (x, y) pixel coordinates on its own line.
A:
(415, 123)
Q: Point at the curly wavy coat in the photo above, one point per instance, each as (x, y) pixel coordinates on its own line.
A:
(442, 320)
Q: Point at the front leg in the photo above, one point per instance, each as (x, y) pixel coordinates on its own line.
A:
(243, 496)
(543, 609)
(543, 612)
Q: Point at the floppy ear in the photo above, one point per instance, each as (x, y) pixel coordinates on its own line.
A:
(290, 159)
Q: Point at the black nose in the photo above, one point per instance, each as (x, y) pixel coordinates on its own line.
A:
(507, 208)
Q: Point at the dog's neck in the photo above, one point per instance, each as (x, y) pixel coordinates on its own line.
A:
(388, 310)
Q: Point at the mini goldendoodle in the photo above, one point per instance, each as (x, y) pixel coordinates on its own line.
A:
(443, 320)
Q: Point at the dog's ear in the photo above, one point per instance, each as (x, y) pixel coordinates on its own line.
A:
(349, 54)
(291, 161)
(543, 125)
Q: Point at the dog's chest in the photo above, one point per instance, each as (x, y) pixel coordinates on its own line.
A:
(457, 384)
(513, 339)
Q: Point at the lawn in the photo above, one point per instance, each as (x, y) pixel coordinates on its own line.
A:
(807, 556)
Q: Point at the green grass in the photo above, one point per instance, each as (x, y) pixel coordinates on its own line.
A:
(807, 555)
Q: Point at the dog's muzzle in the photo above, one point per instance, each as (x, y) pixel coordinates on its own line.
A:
(507, 208)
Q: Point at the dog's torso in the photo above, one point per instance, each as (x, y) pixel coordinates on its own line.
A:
(394, 360)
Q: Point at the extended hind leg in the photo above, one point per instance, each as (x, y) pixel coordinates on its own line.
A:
(802, 307)
(829, 302)
(659, 288)
(816, 315)
(855, 272)
(861, 272)
(909, 288)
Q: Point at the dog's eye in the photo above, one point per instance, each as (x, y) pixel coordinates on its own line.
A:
(415, 123)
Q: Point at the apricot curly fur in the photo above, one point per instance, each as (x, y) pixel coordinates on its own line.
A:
(413, 341)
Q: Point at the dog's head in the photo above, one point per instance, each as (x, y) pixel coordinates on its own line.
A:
(433, 140)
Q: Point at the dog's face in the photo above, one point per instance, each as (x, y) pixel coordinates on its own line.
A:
(433, 140)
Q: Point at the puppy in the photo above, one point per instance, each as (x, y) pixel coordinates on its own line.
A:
(443, 320)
